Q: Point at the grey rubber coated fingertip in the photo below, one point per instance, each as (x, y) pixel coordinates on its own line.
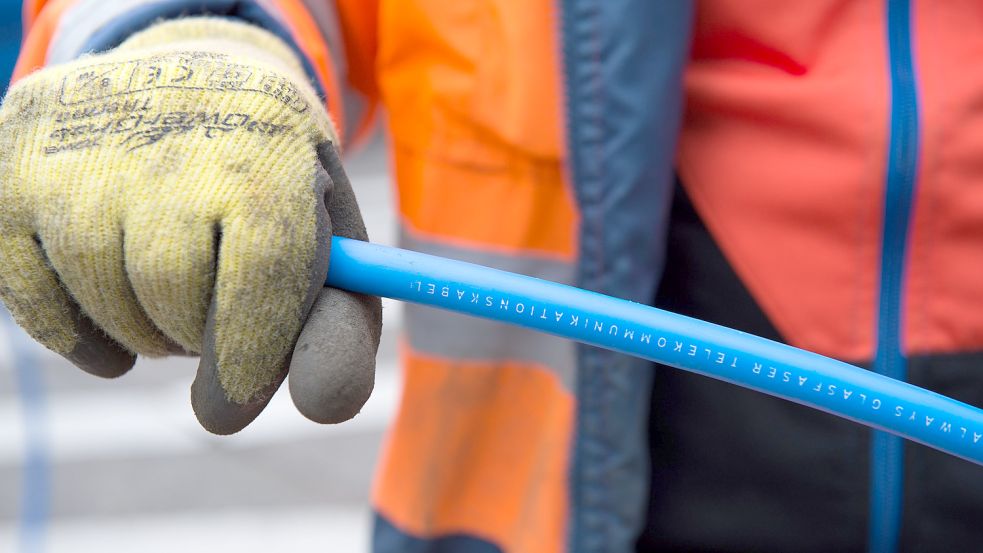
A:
(211, 404)
(333, 368)
(97, 354)
(212, 407)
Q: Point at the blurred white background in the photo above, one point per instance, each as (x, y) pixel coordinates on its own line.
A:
(122, 466)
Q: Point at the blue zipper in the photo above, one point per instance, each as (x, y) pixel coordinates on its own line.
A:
(887, 451)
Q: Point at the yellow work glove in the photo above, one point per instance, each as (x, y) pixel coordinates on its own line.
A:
(177, 195)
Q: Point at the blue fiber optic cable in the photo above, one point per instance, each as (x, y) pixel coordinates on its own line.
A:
(682, 342)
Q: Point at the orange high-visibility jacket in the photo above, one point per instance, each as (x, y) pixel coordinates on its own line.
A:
(542, 136)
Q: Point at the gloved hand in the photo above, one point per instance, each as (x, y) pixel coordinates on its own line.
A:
(178, 194)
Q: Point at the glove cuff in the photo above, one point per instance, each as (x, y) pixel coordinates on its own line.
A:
(217, 35)
(223, 36)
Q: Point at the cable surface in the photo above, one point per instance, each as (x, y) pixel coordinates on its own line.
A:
(675, 340)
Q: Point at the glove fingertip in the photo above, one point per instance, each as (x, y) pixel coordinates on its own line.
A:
(327, 397)
(97, 354)
(332, 372)
(215, 411)
(213, 408)
(101, 359)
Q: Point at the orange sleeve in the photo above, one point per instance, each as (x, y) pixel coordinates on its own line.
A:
(359, 28)
(31, 10)
(40, 19)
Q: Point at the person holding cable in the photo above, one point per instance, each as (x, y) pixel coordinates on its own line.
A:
(805, 172)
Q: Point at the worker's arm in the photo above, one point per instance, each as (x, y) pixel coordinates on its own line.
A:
(176, 193)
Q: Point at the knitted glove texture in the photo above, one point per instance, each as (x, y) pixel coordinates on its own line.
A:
(177, 195)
